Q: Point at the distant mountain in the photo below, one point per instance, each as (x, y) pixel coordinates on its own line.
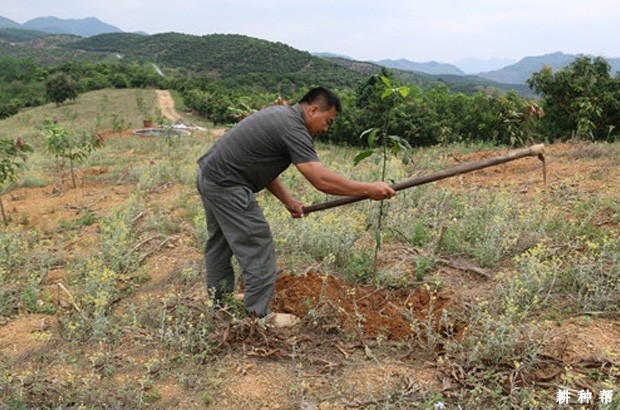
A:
(8, 23)
(473, 65)
(85, 27)
(467, 84)
(521, 71)
(431, 67)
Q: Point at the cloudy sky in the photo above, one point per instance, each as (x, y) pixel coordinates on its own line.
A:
(441, 30)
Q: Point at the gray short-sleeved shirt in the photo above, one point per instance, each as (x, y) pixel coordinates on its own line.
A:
(258, 149)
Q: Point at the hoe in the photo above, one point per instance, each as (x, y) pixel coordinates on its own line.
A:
(535, 150)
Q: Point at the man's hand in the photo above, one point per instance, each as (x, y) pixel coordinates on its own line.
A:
(278, 189)
(380, 190)
(296, 208)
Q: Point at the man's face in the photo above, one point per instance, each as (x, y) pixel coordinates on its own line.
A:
(318, 121)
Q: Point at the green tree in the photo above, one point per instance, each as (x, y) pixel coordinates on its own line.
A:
(12, 158)
(65, 145)
(382, 145)
(582, 100)
(60, 88)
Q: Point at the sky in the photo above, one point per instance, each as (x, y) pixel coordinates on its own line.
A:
(446, 31)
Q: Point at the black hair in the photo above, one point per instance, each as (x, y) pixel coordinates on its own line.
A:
(323, 97)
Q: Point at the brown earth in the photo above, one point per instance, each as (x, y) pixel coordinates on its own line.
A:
(166, 105)
(348, 347)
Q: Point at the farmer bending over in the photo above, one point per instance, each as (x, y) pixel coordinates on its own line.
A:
(248, 158)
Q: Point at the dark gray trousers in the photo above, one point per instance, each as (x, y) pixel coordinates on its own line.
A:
(237, 226)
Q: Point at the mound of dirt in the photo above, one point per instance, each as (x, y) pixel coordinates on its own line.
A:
(328, 303)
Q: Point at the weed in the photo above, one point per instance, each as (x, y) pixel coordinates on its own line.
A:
(358, 267)
(529, 289)
(183, 326)
(99, 289)
(36, 300)
(154, 175)
(423, 265)
(307, 236)
(118, 236)
(500, 336)
(87, 219)
(594, 275)
(207, 399)
(117, 123)
(24, 260)
(490, 226)
(14, 247)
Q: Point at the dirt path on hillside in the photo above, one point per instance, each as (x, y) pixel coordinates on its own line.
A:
(166, 105)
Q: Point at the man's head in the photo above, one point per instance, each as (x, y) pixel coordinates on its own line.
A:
(320, 107)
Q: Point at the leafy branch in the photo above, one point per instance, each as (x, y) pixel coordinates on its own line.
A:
(382, 147)
(12, 158)
(63, 143)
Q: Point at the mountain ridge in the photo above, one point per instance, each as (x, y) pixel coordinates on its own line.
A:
(84, 27)
(431, 67)
(516, 73)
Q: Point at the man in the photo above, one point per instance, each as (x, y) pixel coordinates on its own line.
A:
(248, 158)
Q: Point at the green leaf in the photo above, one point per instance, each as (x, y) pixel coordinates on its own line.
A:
(361, 156)
(372, 136)
(394, 139)
(406, 159)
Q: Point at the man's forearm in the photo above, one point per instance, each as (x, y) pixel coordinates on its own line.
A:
(277, 189)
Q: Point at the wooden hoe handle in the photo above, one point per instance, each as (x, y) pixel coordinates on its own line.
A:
(534, 150)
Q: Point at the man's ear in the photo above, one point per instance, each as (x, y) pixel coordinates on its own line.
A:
(314, 108)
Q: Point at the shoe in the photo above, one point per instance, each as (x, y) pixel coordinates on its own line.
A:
(281, 320)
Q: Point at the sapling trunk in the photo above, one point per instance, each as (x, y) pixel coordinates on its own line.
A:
(72, 173)
(3, 214)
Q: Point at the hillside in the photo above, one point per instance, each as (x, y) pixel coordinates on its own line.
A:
(245, 60)
(239, 59)
(236, 59)
(44, 48)
(18, 35)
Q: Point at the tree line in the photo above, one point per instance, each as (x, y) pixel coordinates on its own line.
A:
(580, 101)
